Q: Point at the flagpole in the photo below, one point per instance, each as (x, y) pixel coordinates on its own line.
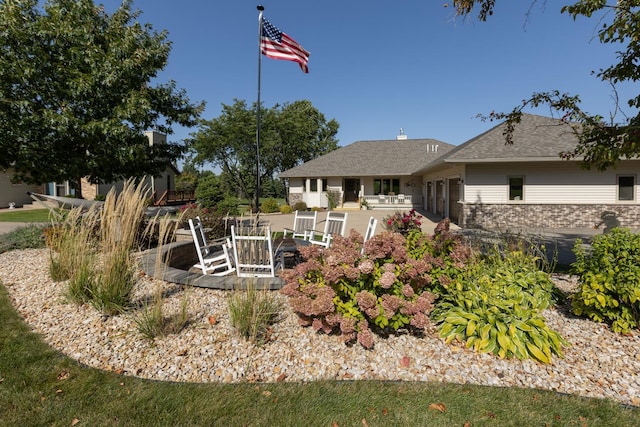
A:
(261, 10)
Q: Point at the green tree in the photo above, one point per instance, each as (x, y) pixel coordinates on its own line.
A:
(188, 178)
(290, 135)
(209, 192)
(602, 142)
(76, 93)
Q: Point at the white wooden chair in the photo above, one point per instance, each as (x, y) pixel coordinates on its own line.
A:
(371, 230)
(304, 222)
(215, 263)
(253, 252)
(334, 225)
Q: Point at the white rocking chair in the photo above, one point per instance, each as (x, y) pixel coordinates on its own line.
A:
(304, 222)
(334, 225)
(215, 263)
(371, 230)
(253, 252)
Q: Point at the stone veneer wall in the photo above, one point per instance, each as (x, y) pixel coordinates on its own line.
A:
(88, 190)
(504, 216)
(295, 198)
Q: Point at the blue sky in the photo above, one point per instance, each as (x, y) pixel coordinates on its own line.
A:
(379, 66)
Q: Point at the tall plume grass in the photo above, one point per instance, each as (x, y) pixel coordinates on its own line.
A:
(93, 249)
(120, 221)
(153, 321)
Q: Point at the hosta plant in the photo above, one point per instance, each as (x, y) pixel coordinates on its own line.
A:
(496, 308)
(383, 287)
(609, 277)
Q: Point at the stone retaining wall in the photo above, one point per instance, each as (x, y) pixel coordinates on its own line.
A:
(176, 267)
(504, 216)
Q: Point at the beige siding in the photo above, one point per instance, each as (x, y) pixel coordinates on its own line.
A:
(15, 193)
(560, 182)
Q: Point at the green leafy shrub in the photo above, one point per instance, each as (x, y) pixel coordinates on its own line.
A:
(269, 206)
(333, 199)
(286, 209)
(609, 279)
(382, 289)
(228, 206)
(300, 206)
(216, 223)
(495, 308)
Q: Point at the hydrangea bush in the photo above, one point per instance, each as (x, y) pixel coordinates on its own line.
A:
(389, 284)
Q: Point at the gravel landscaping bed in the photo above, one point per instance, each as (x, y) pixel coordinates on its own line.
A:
(598, 363)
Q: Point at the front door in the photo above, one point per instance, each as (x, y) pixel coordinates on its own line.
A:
(351, 189)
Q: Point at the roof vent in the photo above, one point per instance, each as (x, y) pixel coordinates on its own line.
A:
(402, 136)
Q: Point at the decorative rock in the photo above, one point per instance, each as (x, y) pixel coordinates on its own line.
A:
(598, 363)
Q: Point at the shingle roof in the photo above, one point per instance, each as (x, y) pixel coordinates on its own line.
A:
(372, 158)
(535, 138)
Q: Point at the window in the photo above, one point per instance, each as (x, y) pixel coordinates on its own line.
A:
(386, 186)
(516, 187)
(325, 185)
(626, 185)
(313, 185)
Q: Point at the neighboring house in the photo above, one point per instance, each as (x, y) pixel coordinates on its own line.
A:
(485, 182)
(15, 194)
(164, 185)
(381, 172)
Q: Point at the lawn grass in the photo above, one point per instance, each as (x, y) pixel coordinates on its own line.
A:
(39, 386)
(25, 215)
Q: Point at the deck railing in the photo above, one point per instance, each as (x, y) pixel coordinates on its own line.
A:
(392, 201)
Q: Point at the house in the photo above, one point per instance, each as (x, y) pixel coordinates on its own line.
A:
(489, 184)
(483, 182)
(382, 173)
(15, 193)
(162, 188)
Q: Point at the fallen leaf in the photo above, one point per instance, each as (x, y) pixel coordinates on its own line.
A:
(74, 422)
(467, 424)
(281, 378)
(347, 376)
(438, 407)
(119, 371)
(266, 393)
(490, 415)
(63, 375)
(385, 411)
(59, 391)
(334, 424)
(405, 361)
(213, 320)
(364, 422)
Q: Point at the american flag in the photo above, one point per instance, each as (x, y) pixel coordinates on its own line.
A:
(277, 45)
